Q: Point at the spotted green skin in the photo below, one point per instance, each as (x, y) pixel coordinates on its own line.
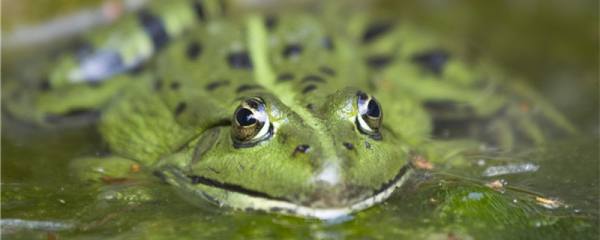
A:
(174, 117)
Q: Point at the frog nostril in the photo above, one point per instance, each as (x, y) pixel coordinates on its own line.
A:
(348, 145)
(302, 148)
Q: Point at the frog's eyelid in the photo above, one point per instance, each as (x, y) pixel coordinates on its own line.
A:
(262, 116)
(264, 130)
(362, 124)
(362, 102)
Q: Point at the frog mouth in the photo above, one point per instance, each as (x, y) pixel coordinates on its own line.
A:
(240, 198)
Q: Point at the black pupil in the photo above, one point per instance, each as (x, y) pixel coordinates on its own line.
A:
(245, 117)
(373, 109)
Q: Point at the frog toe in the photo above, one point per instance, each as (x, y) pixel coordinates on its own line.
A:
(108, 170)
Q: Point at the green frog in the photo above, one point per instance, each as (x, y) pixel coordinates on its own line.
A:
(317, 115)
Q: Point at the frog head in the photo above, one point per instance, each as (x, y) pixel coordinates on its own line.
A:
(330, 158)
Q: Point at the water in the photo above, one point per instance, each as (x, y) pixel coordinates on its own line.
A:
(40, 199)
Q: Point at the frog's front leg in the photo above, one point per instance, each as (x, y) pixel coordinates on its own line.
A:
(120, 180)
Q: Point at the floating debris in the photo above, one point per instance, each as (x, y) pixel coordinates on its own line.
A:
(481, 162)
(548, 203)
(135, 168)
(510, 169)
(497, 185)
(473, 196)
(419, 162)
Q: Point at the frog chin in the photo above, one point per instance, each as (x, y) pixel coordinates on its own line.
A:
(236, 197)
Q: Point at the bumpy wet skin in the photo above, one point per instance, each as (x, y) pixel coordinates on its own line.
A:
(542, 193)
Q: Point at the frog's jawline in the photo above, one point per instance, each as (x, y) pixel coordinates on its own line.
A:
(232, 187)
(269, 203)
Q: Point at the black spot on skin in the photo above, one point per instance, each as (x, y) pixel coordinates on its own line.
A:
(313, 78)
(136, 70)
(375, 30)
(283, 138)
(348, 145)
(193, 50)
(292, 50)
(154, 27)
(327, 70)
(175, 85)
(448, 108)
(199, 10)
(327, 43)
(216, 84)
(45, 85)
(309, 88)
(379, 61)
(310, 106)
(440, 105)
(162, 176)
(158, 83)
(180, 108)
(284, 77)
(302, 148)
(261, 211)
(276, 209)
(247, 87)
(239, 60)
(433, 61)
(367, 145)
(451, 119)
(290, 211)
(271, 22)
(82, 49)
(455, 128)
(71, 115)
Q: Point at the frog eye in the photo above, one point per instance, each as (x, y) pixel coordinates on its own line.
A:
(250, 123)
(369, 116)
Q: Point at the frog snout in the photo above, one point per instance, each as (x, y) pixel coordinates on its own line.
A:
(331, 190)
(336, 196)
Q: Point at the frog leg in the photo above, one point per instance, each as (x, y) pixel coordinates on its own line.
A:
(119, 180)
(532, 108)
(505, 135)
(525, 116)
(486, 108)
(80, 81)
(106, 169)
(44, 106)
(470, 98)
(132, 41)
